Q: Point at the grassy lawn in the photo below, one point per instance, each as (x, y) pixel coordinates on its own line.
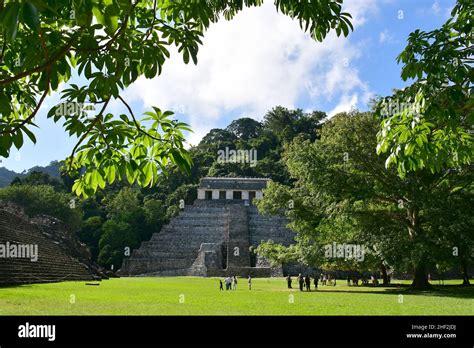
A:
(201, 296)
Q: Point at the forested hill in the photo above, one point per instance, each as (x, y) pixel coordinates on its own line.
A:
(7, 176)
(122, 216)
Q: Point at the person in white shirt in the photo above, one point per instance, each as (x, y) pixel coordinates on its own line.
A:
(228, 282)
(234, 283)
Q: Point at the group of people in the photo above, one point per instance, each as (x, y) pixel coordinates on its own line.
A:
(305, 282)
(327, 279)
(365, 281)
(231, 283)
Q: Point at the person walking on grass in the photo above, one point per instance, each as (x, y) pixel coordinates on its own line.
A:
(234, 283)
(249, 281)
(307, 281)
(301, 281)
(221, 287)
(228, 282)
(288, 280)
(316, 279)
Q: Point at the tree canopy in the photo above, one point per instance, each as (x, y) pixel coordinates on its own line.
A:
(343, 193)
(110, 43)
(429, 123)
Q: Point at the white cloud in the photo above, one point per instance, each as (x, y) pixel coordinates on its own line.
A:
(436, 8)
(346, 103)
(386, 37)
(258, 60)
(360, 10)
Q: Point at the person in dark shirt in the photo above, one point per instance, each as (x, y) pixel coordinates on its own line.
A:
(316, 279)
(301, 281)
(288, 280)
(307, 281)
(221, 287)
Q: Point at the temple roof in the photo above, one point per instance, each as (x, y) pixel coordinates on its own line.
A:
(223, 183)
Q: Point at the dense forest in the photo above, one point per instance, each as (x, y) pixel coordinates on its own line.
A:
(122, 215)
(326, 178)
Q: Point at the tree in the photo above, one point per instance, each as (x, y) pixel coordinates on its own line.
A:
(245, 128)
(288, 123)
(116, 236)
(39, 178)
(111, 43)
(429, 123)
(340, 178)
(90, 234)
(43, 199)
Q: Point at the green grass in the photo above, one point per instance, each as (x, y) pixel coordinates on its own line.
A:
(269, 296)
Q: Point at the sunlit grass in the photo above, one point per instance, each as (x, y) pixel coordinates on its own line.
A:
(201, 296)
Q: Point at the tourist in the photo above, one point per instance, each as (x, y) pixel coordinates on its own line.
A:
(221, 287)
(301, 281)
(234, 283)
(307, 281)
(348, 280)
(250, 282)
(228, 282)
(321, 279)
(324, 282)
(316, 279)
(288, 280)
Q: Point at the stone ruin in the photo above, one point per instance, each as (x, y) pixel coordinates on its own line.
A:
(60, 256)
(213, 236)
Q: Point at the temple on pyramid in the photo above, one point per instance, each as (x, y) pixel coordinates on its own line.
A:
(214, 235)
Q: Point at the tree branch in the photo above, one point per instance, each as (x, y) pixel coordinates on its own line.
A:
(45, 93)
(46, 65)
(137, 125)
(93, 123)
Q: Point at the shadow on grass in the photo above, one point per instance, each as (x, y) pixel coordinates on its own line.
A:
(457, 291)
(12, 286)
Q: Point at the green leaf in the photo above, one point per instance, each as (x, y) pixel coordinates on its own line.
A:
(111, 174)
(18, 140)
(30, 16)
(10, 20)
(29, 134)
(148, 171)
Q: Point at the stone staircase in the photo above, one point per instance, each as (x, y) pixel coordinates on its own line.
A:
(238, 254)
(209, 238)
(54, 262)
(174, 250)
(268, 227)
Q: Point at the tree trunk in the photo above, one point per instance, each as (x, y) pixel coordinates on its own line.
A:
(465, 274)
(383, 270)
(420, 281)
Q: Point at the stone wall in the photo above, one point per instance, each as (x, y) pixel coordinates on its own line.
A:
(60, 255)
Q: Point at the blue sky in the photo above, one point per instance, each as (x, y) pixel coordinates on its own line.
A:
(261, 59)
